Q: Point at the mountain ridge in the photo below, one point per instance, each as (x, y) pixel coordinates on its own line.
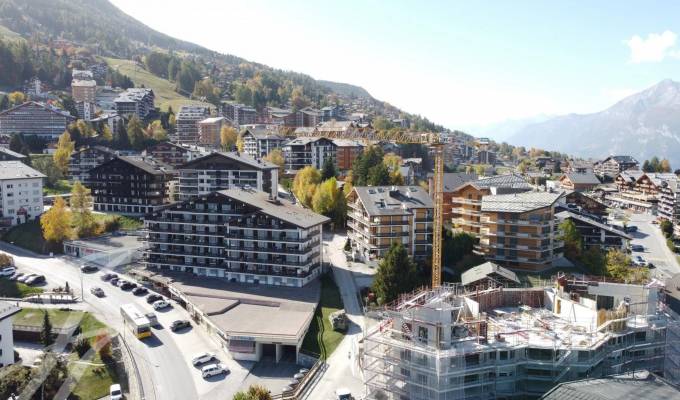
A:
(643, 125)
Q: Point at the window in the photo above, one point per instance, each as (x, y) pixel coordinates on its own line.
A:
(405, 372)
(640, 336)
(422, 333)
(503, 355)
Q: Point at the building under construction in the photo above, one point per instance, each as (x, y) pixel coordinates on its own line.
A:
(499, 343)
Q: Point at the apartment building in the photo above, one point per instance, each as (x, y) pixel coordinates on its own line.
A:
(611, 166)
(240, 234)
(520, 230)
(84, 90)
(595, 233)
(308, 117)
(381, 215)
(221, 170)
(7, 311)
(135, 101)
(85, 159)
(173, 154)
(347, 150)
(451, 182)
(303, 151)
(668, 207)
(187, 123)
(209, 131)
(32, 118)
(466, 199)
(130, 185)
(21, 193)
(258, 143)
(579, 181)
(500, 343)
(641, 191)
(239, 114)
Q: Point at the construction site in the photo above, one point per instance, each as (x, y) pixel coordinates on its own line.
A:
(499, 343)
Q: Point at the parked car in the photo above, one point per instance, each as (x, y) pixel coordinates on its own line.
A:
(213, 369)
(97, 291)
(153, 297)
(140, 291)
(160, 304)
(108, 276)
(631, 228)
(202, 358)
(87, 268)
(343, 394)
(115, 392)
(153, 318)
(637, 247)
(16, 276)
(8, 271)
(179, 324)
(114, 281)
(639, 261)
(299, 376)
(125, 285)
(35, 280)
(24, 278)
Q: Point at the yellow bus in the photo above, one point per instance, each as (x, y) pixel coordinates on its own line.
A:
(136, 321)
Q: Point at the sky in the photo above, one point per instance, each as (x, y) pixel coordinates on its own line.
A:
(460, 64)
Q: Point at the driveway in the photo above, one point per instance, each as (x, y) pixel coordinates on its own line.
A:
(656, 252)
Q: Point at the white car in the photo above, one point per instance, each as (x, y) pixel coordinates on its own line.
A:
(115, 393)
(213, 369)
(202, 358)
(7, 271)
(160, 304)
(639, 261)
(26, 277)
(343, 394)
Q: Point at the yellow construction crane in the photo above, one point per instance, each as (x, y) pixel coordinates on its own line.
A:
(429, 139)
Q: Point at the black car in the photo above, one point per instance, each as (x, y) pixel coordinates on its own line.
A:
(114, 281)
(127, 285)
(179, 324)
(138, 291)
(89, 268)
(108, 276)
(153, 297)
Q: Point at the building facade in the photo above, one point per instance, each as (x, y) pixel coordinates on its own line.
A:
(84, 90)
(135, 101)
(130, 185)
(242, 235)
(347, 151)
(21, 193)
(32, 118)
(594, 233)
(303, 151)
(7, 311)
(258, 143)
(520, 230)
(187, 121)
(381, 215)
(500, 343)
(613, 165)
(239, 114)
(218, 171)
(209, 131)
(82, 161)
(172, 154)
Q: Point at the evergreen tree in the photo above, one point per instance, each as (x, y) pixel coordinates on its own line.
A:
(378, 175)
(396, 274)
(46, 337)
(572, 239)
(328, 171)
(135, 133)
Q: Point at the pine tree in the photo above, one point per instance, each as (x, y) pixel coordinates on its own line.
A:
(396, 274)
(328, 171)
(46, 337)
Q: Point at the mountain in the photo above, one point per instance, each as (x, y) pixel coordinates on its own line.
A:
(96, 29)
(643, 125)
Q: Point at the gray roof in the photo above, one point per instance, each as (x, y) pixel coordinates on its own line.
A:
(631, 175)
(12, 153)
(262, 134)
(146, 164)
(392, 200)
(658, 178)
(234, 156)
(17, 170)
(505, 181)
(587, 178)
(641, 385)
(281, 209)
(482, 271)
(623, 159)
(519, 202)
(347, 143)
(562, 215)
(453, 180)
(132, 95)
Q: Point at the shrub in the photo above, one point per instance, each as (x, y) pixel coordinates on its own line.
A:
(82, 346)
(5, 260)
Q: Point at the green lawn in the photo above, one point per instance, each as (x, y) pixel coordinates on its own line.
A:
(58, 318)
(28, 235)
(126, 223)
(16, 289)
(95, 381)
(162, 88)
(321, 338)
(61, 187)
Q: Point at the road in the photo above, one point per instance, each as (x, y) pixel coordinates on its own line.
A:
(164, 360)
(343, 368)
(656, 252)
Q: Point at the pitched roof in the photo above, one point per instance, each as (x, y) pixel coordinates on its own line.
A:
(392, 200)
(586, 178)
(658, 178)
(453, 180)
(281, 208)
(301, 141)
(519, 202)
(562, 215)
(632, 386)
(347, 143)
(263, 134)
(241, 158)
(55, 110)
(482, 271)
(146, 164)
(631, 175)
(11, 153)
(507, 181)
(17, 170)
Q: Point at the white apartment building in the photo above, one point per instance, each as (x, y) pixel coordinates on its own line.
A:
(260, 142)
(303, 151)
(7, 310)
(21, 193)
(501, 343)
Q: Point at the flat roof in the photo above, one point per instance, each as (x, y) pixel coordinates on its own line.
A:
(18, 170)
(108, 242)
(250, 310)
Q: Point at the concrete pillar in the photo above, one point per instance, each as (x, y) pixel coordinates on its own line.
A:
(279, 352)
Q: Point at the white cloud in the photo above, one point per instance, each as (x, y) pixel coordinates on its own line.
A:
(655, 48)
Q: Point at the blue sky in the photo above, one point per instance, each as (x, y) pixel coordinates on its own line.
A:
(459, 64)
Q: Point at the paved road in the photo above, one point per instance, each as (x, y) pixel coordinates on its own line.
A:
(656, 252)
(164, 360)
(343, 368)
